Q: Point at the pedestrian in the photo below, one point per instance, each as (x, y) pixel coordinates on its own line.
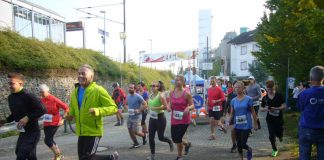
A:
(141, 91)
(274, 104)
(311, 124)
(52, 118)
(136, 105)
(157, 105)
(231, 122)
(181, 104)
(215, 100)
(242, 109)
(230, 95)
(25, 109)
(254, 91)
(89, 103)
(119, 97)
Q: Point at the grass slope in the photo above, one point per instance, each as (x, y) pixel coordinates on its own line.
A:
(26, 55)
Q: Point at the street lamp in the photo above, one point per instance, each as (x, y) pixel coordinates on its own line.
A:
(151, 48)
(104, 34)
(139, 65)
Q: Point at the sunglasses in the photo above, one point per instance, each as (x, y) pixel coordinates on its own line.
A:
(154, 85)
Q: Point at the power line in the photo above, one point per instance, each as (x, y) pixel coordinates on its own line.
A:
(97, 16)
(105, 5)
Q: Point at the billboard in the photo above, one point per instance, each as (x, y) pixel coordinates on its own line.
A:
(74, 26)
(167, 57)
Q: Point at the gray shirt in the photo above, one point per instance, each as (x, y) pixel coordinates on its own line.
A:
(254, 91)
(134, 102)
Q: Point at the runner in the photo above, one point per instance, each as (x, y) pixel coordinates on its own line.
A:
(254, 91)
(119, 97)
(231, 121)
(229, 95)
(215, 99)
(136, 105)
(242, 109)
(52, 119)
(181, 104)
(141, 91)
(25, 109)
(157, 104)
(274, 103)
(88, 105)
(311, 124)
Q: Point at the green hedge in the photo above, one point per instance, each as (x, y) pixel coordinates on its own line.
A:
(26, 54)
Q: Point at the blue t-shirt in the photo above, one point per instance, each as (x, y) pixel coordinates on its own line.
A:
(134, 102)
(81, 91)
(311, 104)
(242, 112)
(145, 95)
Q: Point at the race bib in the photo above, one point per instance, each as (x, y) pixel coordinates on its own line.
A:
(256, 103)
(275, 113)
(131, 112)
(241, 119)
(216, 108)
(177, 115)
(48, 118)
(154, 114)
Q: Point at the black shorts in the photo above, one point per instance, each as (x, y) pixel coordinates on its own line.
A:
(178, 131)
(216, 114)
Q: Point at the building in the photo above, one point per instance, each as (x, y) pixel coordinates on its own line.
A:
(225, 53)
(204, 39)
(31, 20)
(241, 54)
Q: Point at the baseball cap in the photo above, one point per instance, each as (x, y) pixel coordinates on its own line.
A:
(251, 77)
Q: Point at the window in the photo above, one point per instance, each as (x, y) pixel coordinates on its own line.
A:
(243, 50)
(244, 65)
(256, 47)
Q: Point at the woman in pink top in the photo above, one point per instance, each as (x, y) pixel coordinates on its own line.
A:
(181, 103)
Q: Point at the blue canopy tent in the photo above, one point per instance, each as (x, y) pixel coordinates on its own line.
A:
(199, 81)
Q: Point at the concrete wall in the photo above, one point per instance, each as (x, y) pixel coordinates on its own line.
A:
(60, 87)
(5, 14)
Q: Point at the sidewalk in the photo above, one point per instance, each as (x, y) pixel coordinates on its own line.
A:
(116, 138)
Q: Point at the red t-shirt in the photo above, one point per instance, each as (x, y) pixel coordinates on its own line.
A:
(215, 93)
(53, 106)
(230, 90)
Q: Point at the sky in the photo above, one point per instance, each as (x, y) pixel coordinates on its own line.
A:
(172, 25)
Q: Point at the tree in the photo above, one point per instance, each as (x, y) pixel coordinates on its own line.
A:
(291, 38)
(258, 71)
(216, 67)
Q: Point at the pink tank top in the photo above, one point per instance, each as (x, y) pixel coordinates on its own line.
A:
(178, 105)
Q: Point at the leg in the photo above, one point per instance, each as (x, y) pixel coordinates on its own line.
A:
(152, 130)
(177, 138)
(89, 147)
(143, 124)
(49, 139)
(305, 143)
(161, 125)
(238, 135)
(26, 145)
(272, 134)
(245, 137)
(212, 125)
(320, 145)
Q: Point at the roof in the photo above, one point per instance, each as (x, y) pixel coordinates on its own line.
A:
(40, 7)
(229, 35)
(245, 37)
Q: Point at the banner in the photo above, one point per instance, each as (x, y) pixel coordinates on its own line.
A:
(167, 57)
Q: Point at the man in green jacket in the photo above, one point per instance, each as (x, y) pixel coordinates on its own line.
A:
(89, 104)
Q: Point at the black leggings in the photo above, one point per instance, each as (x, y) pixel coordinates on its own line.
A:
(49, 132)
(159, 126)
(242, 136)
(275, 128)
(144, 115)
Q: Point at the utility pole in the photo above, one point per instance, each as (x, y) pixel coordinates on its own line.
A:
(124, 40)
(207, 56)
(104, 34)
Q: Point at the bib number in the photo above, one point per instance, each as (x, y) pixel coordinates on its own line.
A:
(48, 118)
(154, 114)
(178, 115)
(241, 119)
(216, 108)
(131, 112)
(275, 113)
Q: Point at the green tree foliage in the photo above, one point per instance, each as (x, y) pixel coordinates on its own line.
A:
(216, 67)
(258, 71)
(292, 31)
